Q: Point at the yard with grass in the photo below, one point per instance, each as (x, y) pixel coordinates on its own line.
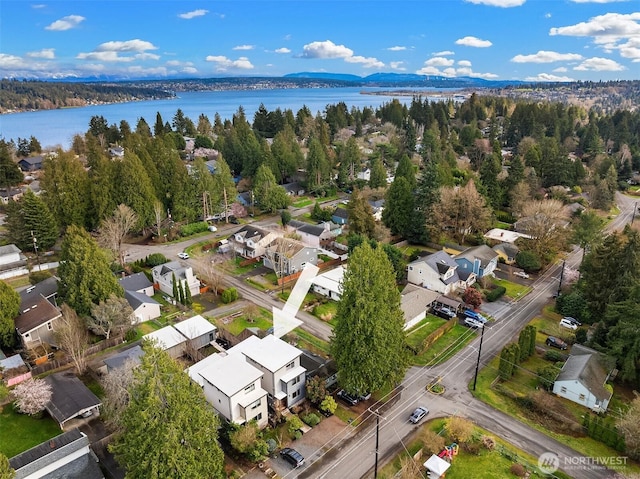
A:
(263, 320)
(445, 347)
(514, 290)
(19, 432)
(309, 342)
(302, 202)
(417, 334)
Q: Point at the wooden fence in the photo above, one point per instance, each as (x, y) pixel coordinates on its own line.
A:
(433, 337)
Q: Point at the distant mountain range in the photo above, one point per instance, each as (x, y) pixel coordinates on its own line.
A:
(408, 79)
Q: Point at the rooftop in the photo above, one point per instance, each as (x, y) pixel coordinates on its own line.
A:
(166, 338)
(229, 373)
(194, 327)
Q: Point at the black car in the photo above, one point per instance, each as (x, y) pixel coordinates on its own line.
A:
(572, 320)
(348, 398)
(556, 343)
(233, 220)
(292, 456)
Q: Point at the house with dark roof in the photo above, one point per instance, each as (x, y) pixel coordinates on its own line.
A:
(11, 194)
(164, 274)
(479, 260)
(144, 307)
(36, 324)
(31, 164)
(583, 379)
(506, 251)
(316, 236)
(67, 456)
(294, 189)
(116, 152)
(47, 289)
(251, 241)
(119, 359)
(286, 256)
(12, 262)
(137, 282)
(70, 398)
(340, 216)
(414, 303)
(439, 272)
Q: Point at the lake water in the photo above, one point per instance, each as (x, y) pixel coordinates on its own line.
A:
(57, 127)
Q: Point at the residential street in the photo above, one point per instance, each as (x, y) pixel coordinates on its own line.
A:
(352, 454)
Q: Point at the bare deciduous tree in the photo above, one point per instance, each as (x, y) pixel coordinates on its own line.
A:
(111, 316)
(32, 396)
(409, 469)
(73, 337)
(464, 210)
(544, 222)
(158, 215)
(208, 272)
(116, 385)
(114, 230)
(629, 426)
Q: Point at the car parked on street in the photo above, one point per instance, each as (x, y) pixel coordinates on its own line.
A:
(348, 398)
(418, 414)
(469, 313)
(183, 255)
(292, 456)
(473, 323)
(556, 343)
(521, 274)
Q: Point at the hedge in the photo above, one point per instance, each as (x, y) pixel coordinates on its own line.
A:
(495, 293)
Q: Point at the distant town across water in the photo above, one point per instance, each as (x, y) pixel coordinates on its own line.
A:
(57, 127)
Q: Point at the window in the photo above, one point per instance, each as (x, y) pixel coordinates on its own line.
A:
(582, 397)
(563, 389)
(295, 394)
(49, 326)
(259, 416)
(290, 365)
(256, 404)
(250, 388)
(296, 380)
(210, 336)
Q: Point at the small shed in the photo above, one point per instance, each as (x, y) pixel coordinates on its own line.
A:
(70, 398)
(119, 359)
(170, 340)
(436, 466)
(198, 330)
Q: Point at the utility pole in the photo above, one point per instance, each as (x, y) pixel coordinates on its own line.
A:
(377, 414)
(35, 247)
(635, 209)
(561, 275)
(475, 377)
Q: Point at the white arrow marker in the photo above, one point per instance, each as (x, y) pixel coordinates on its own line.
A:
(284, 320)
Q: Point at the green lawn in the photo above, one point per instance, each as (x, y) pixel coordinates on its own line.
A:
(310, 342)
(326, 311)
(417, 334)
(237, 325)
(445, 347)
(19, 432)
(302, 203)
(514, 290)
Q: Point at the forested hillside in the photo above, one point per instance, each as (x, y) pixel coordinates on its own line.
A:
(21, 95)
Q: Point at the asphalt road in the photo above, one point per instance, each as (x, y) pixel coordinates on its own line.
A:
(352, 453)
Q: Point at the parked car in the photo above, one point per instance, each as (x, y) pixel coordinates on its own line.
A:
(444, 312)
(564, 322)
(292, 456)
(183, 255)
(348, 398)
(470, 313)
(364, 397)
(418, 414)
(521, 274)
(473, 323)
(556, 343)
(233, 220)
(212, 228)
(572, 320)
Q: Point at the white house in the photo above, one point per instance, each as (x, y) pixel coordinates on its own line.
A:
(137, 282)
(284, 378)
(329, 284)
(251, 241)
(316, 236)
(197, 330)
(144, 307)
(233, 387)
(170, 340)
(583, 378)
(438, 272)
(12, 262)
(163, 276)
(414, 302)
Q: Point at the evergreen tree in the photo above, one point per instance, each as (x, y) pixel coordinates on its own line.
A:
(378, 178)
(6, 471)
(360, 214)
(269, 195)
(174, 283)
(426, 198)
(317, 166)
(65, 186)
(30, 224)
(85, 276)
(406, 170)
(9, 309)
(489, 171)
(368, 343)
(225, 188)
(398, 207)
(10, 174)
(169, 429)
(132, 187)
(188, 300)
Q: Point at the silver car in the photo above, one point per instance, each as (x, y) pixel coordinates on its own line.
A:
(418, 414)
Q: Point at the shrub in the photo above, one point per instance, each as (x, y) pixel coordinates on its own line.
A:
(272, 445)
(518, 470)
(229, 295)
(581, 336)
(316, 389)
(495, 293)
(546, 377)
(554, 356)
(328, 405)
(311, 419)
(294, 424)
(488, 442)
(36, 276)
(433, 443)
(194, 228)
(472, 448)
(528, 261)
(459, 429)
(155, 259)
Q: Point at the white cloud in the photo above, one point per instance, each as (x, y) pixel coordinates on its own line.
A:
(146, 56)
(547, 15)
(464, 63)
(48, 53)
(607, 29)
(473, 42)
(193, 14)
(140, 71)
(108, 56)
(243, 47)
(283, 50)
(597, 64)
(65, 23)
(597, 1)
(397, 66)
(546, 57)
(136, 45)
(443, 53)
(367, 62)
(451, 71)
(38, 5)
(498, 3)
(190, 70)
(547, 77)
(631, 49)
(224, 63)
(560, 70)
(439, 62)
(396, 49)
(326, 49)
(11, 61)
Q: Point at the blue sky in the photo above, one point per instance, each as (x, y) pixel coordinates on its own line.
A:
(532, 40)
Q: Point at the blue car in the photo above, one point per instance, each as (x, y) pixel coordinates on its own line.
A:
(469, 313)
